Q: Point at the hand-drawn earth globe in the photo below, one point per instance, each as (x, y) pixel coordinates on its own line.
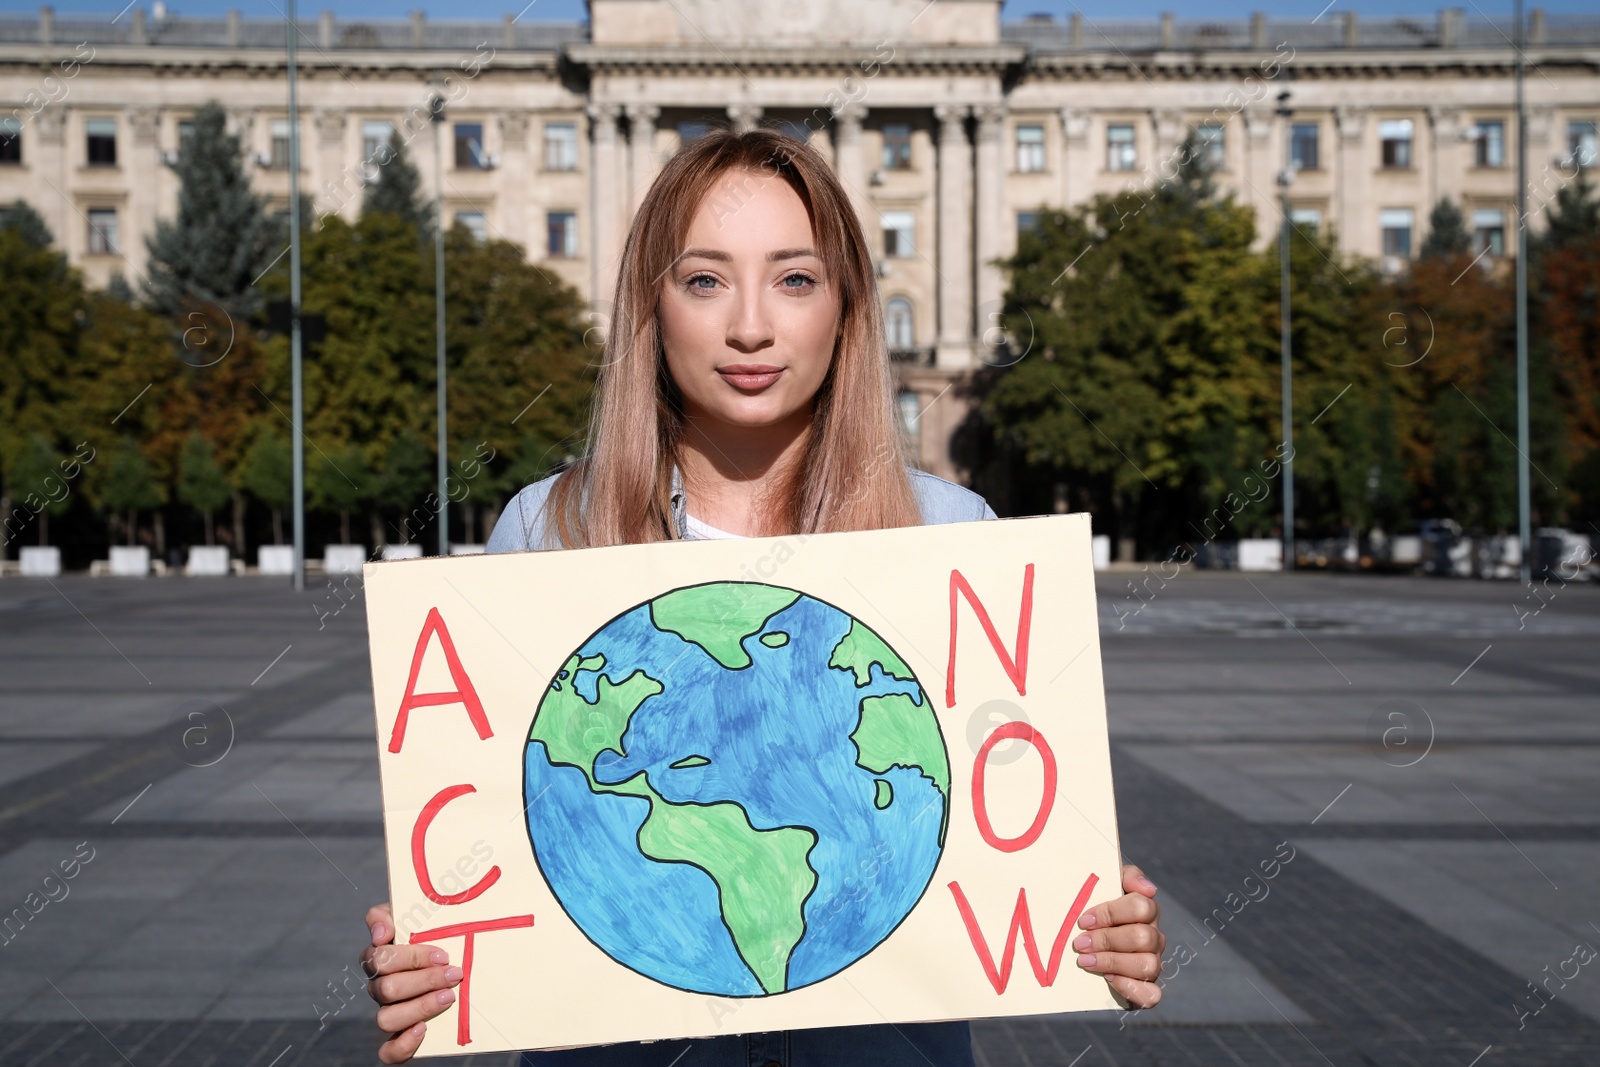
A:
(736, 789)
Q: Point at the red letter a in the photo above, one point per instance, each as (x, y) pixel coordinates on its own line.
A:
(463, 693)
(1016, 670)
(1021, 921)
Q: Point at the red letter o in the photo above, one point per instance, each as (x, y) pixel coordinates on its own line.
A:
(980, 809)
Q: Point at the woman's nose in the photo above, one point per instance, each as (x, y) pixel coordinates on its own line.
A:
(751, 327)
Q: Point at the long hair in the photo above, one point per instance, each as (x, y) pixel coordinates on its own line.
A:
(852, 472)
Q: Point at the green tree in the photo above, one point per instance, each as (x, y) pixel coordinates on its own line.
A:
(340, 482)
(20, 217)
(1448, 235)
(34, 480)
(398, 189)
(129, 486)
(201, 483)
(408, 471)
(268, 475)
(221, 239)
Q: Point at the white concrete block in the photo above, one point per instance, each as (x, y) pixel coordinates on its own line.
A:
(207, 561)
(343, 559)
(467, 550)
(130, 561)
(1260, 554)
(40, 561)
(407, 551)
(275, 559)
(1100, 547)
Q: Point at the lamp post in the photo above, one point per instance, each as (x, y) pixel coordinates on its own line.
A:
(436, 112)
(1524, 508)
(297, 398)
(1285, 177)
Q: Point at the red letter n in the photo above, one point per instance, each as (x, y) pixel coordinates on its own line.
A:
(1016, 670)
(463, 693)
(1023, 923)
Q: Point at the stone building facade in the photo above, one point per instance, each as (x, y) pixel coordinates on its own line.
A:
(951, 128)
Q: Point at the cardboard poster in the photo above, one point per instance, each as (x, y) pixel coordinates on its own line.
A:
(713, 787)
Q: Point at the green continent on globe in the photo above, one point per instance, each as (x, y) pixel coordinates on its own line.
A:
(885, 795)
(719, 616)
(896, 731)
(776, 639)
(859, 649)
(762, 876)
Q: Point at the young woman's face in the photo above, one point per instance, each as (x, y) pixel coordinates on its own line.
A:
(748, 315)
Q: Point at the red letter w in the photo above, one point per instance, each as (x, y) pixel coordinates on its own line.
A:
(1023, 923)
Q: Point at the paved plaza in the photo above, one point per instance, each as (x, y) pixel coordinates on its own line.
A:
(1421, 757)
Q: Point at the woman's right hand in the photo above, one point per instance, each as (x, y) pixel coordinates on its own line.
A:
(411, 983)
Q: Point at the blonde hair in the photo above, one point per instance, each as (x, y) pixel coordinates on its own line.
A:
(852, 475)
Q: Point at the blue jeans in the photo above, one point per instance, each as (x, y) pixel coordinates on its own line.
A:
(907, 1045)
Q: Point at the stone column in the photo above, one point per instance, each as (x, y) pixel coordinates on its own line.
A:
(1451, 155)
(1169, 127)
(641, 151)
(1264, 156)
(955, 238)
(745, 117)
(604, 202)
(990, 237)
(1358, 221)
(1077, 157)
(144, 172)
(514, 183)
(323, 164)
(70, 229)
(848, 161)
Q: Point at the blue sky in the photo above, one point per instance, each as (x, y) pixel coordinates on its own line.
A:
(1014, 9)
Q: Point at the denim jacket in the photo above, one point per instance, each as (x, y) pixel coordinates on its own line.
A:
(523, 526)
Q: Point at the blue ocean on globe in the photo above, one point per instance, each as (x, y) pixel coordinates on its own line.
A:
(736, 789)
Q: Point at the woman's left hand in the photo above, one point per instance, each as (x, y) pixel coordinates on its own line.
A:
(1123, 941)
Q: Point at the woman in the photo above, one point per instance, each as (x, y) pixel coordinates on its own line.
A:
(746, 391)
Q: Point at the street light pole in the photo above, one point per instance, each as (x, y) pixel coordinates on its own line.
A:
(297, 400)
(1284, 339)
(436, 107)
(1524, 507)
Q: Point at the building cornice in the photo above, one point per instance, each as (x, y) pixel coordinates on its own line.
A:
(790, 60)
(256, 60)
(1306, 64)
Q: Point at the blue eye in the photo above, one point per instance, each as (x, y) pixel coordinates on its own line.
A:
(802, 279)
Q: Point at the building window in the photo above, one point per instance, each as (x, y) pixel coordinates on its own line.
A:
(1208, 138)
(691, 131)
(899, 323)
(375, 136)
(1396, 137)
(102, 134)
(1396, 223)
(561, 228)
(10, 140)
(185, 131)
(1120, 151)
(1489, 231)
(910, 405)
(279, 156)
(1489, 144)
(795, 129)
(1583, 146)
(1303, 145)
(1306, 218)
(1027, 222)
(469, 147)
(103, 240)
(897, 146)
(475, 223)
(899, 228)
(1030, 149)
(560, 146)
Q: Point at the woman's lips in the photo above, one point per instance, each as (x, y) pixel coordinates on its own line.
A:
(750, 377)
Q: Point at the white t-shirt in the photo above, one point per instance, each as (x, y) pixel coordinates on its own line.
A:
(699, 531)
